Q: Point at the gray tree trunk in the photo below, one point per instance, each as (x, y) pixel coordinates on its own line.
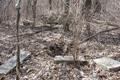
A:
(89, 8)
(50, 4)
(27, 8)
(17, 38)
(34, 12)
(66, 13)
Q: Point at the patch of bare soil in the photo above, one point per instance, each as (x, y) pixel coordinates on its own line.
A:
(48, 42)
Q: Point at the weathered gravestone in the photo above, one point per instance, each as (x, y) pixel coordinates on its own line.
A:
(11, 63)
(69, 59)
(108, 64)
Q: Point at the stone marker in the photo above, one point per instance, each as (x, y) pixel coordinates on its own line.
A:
(68, 59)
(11, 63)
(108, 63)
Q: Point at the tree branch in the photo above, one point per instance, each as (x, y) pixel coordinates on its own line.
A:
(108, 30)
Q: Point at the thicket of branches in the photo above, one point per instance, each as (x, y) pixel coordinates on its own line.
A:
(8, 10)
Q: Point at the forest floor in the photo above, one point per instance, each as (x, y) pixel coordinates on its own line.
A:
(45, 42)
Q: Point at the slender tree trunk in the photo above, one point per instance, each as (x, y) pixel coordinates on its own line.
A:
(58, 2)
(50, 4)
(103, 5)
(17, 45)
(18, 48)
(91, 6)
(88, 6)
(62, 5)
(27, 8)
(66, 12)
(67, 7)
(34, 12)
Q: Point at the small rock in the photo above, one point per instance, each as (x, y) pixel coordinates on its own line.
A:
(27, 23)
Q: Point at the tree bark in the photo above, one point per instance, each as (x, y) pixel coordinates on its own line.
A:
(17, 38)
(34, 12)
(50, 4)
(103, 5)
(27, 8)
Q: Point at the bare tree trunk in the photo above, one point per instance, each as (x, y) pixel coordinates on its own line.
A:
(34, 12)
(17, 37)
(67, 7)
(90, 7)
(87, 11)
(1, 12)
(58, 2)
(50, 4)
(88, 29)
(62, 5)
(66, 12)
(103, 5)
(6, 11)
(27, 8)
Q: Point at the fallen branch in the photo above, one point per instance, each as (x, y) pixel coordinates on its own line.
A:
(108, 30)
(104, 23)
